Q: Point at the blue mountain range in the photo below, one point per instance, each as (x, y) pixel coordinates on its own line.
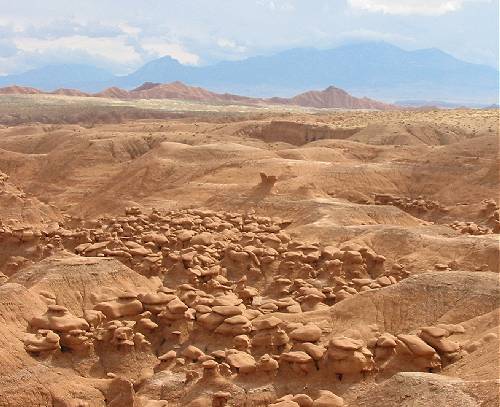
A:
(376, 69)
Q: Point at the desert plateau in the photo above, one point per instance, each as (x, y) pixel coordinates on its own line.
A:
(168, 253)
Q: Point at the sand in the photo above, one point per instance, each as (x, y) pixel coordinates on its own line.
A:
(247, 257)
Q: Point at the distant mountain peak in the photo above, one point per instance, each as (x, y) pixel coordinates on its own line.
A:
(19, 90)
(146, 86)
(378, 70)
(179, 83)
(333, 97)
(332, 88)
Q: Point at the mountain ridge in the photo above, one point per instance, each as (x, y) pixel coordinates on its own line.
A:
(378, 70)
(331, 97)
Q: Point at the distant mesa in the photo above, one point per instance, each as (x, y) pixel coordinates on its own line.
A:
(26, 90)
(19, 90)
(440, 104)
(333, 97)
(179, 90)
(493, 106)
(330, 98)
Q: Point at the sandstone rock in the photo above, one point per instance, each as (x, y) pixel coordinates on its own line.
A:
(241, 361)
(192, 352)
(59, 319)
(348, 356)
(43, 341)
(328, 399)
(307, 333)
(120, 307)
(285, 403)
(227, 310)
(266, 323)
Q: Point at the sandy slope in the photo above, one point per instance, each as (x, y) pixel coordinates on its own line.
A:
(249, 213)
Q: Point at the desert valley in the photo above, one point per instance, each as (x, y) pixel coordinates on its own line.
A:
(167, 249)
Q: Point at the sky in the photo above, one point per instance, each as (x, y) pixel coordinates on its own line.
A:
(122, 35)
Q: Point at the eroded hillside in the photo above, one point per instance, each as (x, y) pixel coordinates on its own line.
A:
(281, 258)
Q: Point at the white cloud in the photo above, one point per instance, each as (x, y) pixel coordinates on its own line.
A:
(160, 48)
(129, 29)
(407, 7)
(10, 26)
(277, 5)
(371, 35)
(209, 31)
(113, 49)
(230, 45)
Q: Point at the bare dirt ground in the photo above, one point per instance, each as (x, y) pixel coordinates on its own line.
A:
(215, 255)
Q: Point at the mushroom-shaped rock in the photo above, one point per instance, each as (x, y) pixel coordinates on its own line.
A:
(416, 345)
(299, 361)
(295, 357)
(438, 339)
(202, 309)
(170, 355)
(417, 354)
(268, 307)
(303, 400)
(227, 310)
(192, 352)
(155, 302)
(236, 325)
(242, 361)
(125, 305)
(44, 340)
(220, 398)
(209, 364)
(242, 342)
(251, 314)
(94, 317)
(185, 235)
(285, 403)
(307, 333)
(311, 299)
(348, 356)
(345, 343)
(175, 310)
(76, 340)
(385, 347)
(211, 369)
(203, 238)
(315, 351)
(210, 320)
(328, 399)
(227, 300)
(146, 324)
(266, 323)
(140, 341)
(386, 340)
(176, 306)
(266, 363)
(59, 319)
(123, 336)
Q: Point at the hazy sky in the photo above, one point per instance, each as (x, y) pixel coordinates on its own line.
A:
(121, 35)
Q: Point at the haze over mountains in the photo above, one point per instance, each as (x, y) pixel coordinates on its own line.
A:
(376, 70)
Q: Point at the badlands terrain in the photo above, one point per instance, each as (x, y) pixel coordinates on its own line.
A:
(247, 256)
